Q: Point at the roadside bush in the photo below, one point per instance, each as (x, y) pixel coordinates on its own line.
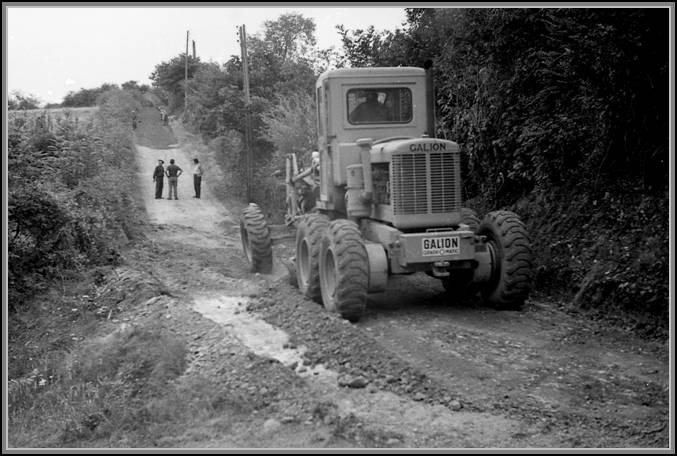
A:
(69, 193)
(86, 97)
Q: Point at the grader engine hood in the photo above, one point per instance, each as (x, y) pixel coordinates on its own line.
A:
(421, 180)
(381, 151)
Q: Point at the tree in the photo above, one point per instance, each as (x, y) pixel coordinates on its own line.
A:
(133, 85)
(20, 101)
(169, 77)
(290, 36)
(86, 97)
(362, 48)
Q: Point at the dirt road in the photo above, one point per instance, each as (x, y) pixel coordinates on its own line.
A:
(416, 371)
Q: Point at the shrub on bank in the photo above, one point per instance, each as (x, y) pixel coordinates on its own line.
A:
(69, 192)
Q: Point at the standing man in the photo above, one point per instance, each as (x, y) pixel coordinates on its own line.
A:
(159, 179)
(197, 177)
(173, 172)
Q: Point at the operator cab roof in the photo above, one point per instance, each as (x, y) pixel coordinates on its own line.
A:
(376, 72)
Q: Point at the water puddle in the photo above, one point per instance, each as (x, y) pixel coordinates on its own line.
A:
(257, 335)
(382, 410)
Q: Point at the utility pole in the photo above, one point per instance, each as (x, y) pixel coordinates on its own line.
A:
(194, 54)
(248, 114)
(185, 88)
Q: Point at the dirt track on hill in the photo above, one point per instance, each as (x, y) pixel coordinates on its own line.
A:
(415, 371)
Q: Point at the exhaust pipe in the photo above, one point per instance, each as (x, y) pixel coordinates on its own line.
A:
(430, 97)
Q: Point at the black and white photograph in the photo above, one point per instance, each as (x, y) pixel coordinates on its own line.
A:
(339, 227)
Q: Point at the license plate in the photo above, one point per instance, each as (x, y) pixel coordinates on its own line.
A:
(437, 246)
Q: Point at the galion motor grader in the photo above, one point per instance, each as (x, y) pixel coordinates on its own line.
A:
(385, 199)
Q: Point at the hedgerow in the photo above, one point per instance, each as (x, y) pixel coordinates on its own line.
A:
(70, 183)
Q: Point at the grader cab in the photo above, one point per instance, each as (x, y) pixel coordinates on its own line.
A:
(387, 200)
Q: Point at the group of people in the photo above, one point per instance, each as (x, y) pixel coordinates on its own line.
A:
(172, 173)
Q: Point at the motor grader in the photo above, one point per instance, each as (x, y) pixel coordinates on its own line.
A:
(385, 200)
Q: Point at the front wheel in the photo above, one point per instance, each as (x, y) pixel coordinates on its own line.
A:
(511, 260)
(344, 270)
(256, 239)
(309, 234)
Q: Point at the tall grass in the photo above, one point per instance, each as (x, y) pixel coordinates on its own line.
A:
(100, 390)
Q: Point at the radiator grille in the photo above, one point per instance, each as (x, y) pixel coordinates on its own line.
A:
(444, 196)
(425, 183)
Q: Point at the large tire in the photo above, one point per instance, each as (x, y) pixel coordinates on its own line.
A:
(470, 218)
(309, 234)
(256, 240)
(512, 260)
(344, 270)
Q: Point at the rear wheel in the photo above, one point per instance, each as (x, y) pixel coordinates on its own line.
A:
(256, 240)
(344, 270)
(309, 234)
(511, 258)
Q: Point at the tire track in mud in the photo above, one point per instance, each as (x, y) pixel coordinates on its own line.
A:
(565, 374)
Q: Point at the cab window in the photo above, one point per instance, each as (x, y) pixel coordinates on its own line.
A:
(379, 105)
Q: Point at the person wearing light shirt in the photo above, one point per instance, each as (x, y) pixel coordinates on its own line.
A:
(197, 177)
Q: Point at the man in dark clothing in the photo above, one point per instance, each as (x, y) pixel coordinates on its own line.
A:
(159, 179)
(369, 111)
(173, 172)
(197, 177)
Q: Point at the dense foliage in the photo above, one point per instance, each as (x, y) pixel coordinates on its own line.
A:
(69, 192)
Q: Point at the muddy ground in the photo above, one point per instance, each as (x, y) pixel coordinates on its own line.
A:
(418, 370)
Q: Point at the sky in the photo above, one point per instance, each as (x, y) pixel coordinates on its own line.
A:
(51, 51)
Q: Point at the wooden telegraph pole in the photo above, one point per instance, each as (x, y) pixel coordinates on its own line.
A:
(248, 114)
(185, 88)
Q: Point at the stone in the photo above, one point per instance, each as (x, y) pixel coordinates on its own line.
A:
(455, 405)
(271, 425)
(352, 382)
(419, 397)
